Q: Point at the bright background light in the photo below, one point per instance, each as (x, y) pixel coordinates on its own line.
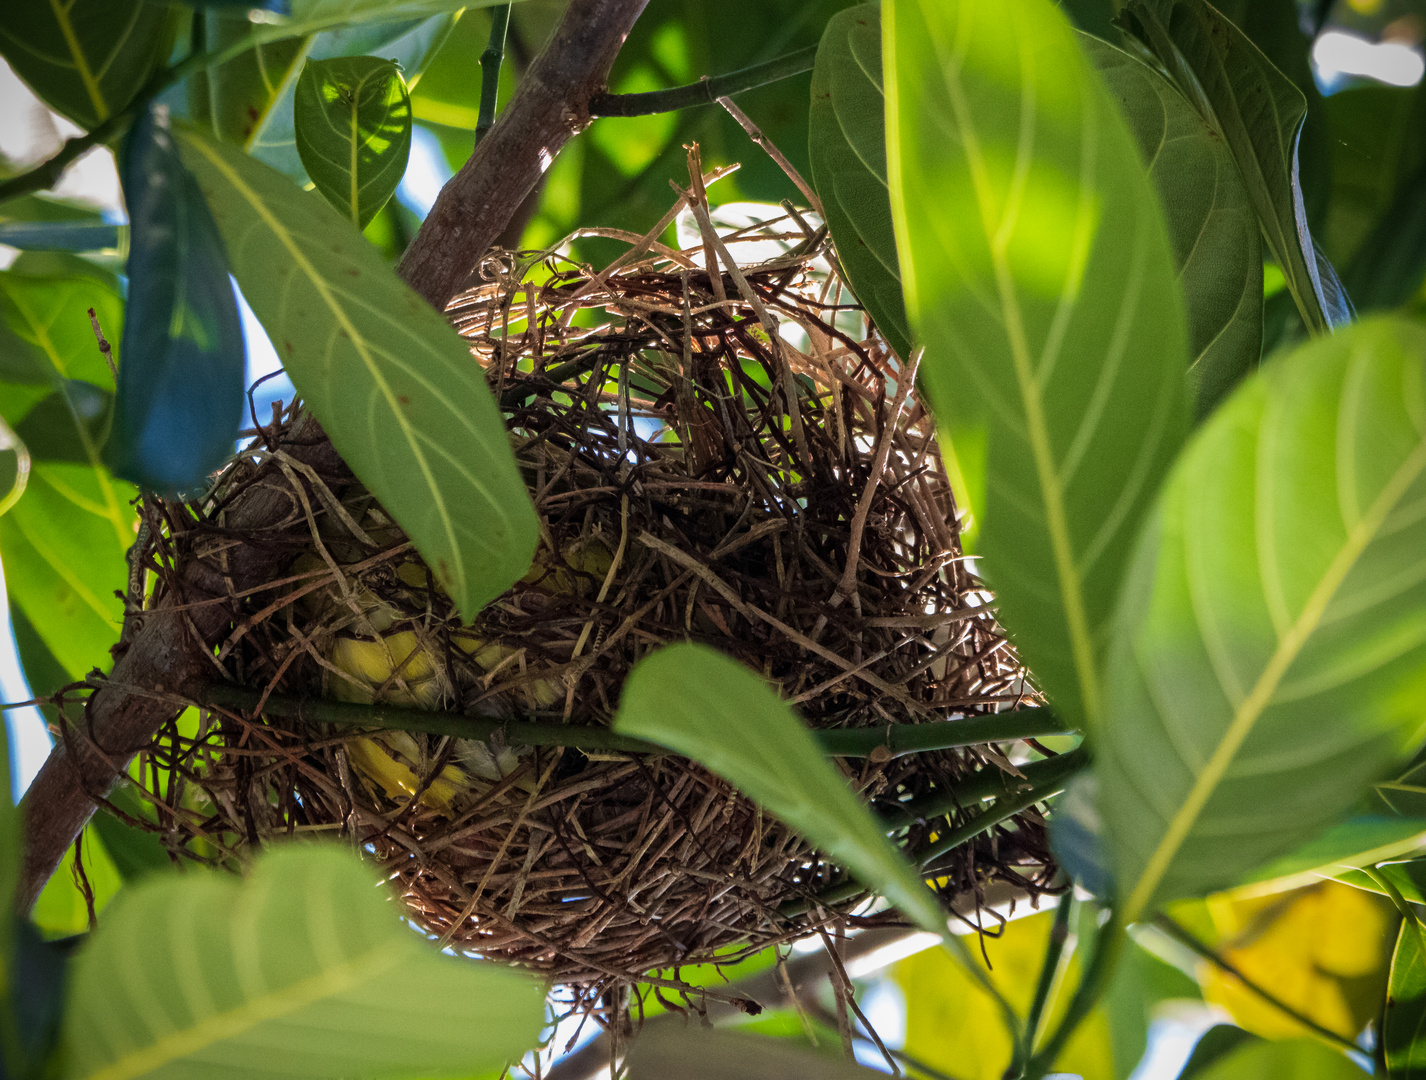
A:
(1338, 55)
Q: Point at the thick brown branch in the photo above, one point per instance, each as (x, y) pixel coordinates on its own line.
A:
(169, 653)
(550, 107)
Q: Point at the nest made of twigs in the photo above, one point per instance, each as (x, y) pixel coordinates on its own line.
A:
(731, 458)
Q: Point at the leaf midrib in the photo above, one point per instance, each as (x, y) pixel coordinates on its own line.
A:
(1251, 708)
(222, 1026)
(358, 341)
(81, 62)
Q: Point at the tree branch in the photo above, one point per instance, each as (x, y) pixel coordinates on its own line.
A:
(550, 107)
(706, 91)
(170, 655)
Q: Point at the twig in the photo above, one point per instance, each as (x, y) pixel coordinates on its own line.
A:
(773, 152)
(105, 348)
(490, 61)
(707, 90)
(1049, 971)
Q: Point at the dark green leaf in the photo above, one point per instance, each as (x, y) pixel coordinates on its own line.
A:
(1270, 649)
(180, 394)
(1259, 113)
(244, 91)
(353, 131)
(1215, 1044)
(1212, 226)
(51, 428)
(1405, 1027)
(691, 1053)
(710, 708)
(847, 115)
(304, 969)
(1039, 276)
(39, 969)
(1391, 263)
(86, 58)
(43, 672)
(394, 386)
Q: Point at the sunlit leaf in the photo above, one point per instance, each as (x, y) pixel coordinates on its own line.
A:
(1259, 113)
(62, 908)
(353, 132)
(710, 708)
(394, 386)
(306, 968)
(1360, 840)
(86, 58)
(695, 1054)
(1296, 1059)
(1322, 950)
(1212, 225)
(244, 91)
(1405, 1028)
(847, 113)
(1271, 650)
(1039, 276)
(180, 393)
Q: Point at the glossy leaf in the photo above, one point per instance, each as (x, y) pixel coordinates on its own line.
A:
(86, 58)
(393, 385)
(847, 116)
(1259, 113)
(1211, 222)
(1039, 275)
(306, 968)
(1271, 648)
(180, 393)
(353, 131)
(710, 708)
(665, 1053)
(1295, 1059)
(1405, 1027)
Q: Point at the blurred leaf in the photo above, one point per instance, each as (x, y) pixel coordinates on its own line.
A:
(180, 393)
(1359, 840)
(51, 428)
(39, 967)
(1405, 1027)
(15, 462)
(664, 1053)
(712, 709)
(136, 852)
(86, 58)
(61, 911)
(353, 131)
(1212, 226)
(1297, 1059)
(1391, 263)
(1259, 113)
(320, 978)
(1052, 317)
(61, 235)
(1077, 837)
(1273, 602)
(847, 112)
(243, 92)
(1213, 1046)
(1322, 950)
(953, 1025)
(393, 385)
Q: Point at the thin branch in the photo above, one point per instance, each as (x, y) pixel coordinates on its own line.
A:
(490, 61)
(706, 91)
(1107, 946)
(1049, 970)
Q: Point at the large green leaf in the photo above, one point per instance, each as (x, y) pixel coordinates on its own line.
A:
(847, 116)
(1039, 275)
(1259, 114)
(393, 385)
(86, 58)
(710, 708)
(1212, 225)
(1405, 1027)
(304, 969)
(353, 132)
(1270, 654)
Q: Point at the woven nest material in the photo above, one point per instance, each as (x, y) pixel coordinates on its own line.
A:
(732, 459)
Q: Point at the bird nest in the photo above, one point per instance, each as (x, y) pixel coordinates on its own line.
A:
(731, 458)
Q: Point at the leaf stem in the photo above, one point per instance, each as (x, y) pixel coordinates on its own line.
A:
(490, 61)
(1107, 946)
(706, 91)
(1168, 926)
(857, 742)
(1054, 951)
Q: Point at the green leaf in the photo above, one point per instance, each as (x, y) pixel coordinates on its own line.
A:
(1404, 1032)
(304, 969)
(393, 385)
(1212, 225)
(1408, 878)
(50, 429)
(1259, 113)
(353, 131)
(1360, 840)
(136, 852)
(712, 709)
(180, 394)
(1292, 1059)
(310, 16)
(1213, 1046)
(244, 92)
(690, 1053)
(847, 115)
(86, 58)
(1270, 653)
(1039, 276)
